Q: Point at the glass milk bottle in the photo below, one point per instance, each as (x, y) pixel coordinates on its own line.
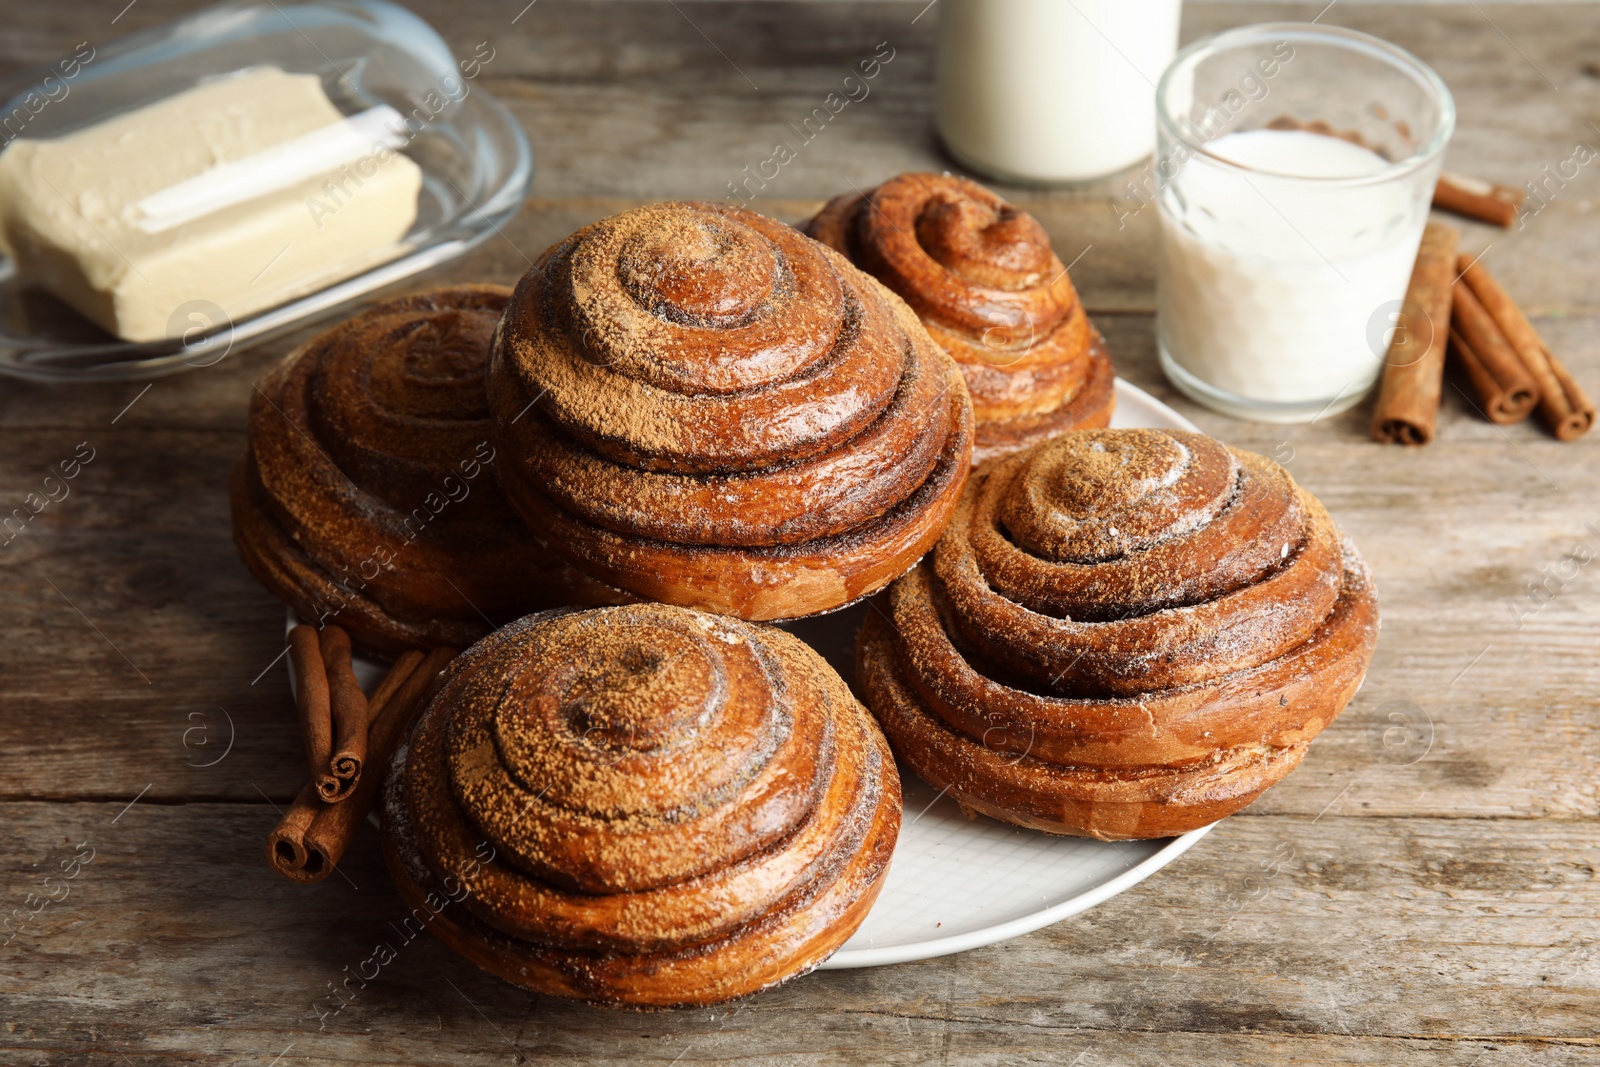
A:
(1296, 164)
(1048, 91)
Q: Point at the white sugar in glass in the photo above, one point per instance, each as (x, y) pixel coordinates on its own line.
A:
(1296, 165)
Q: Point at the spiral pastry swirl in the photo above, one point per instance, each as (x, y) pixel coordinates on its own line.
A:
(644, 805)
(991, 291)
(1123, 634)
(366, 493)
(700, 406)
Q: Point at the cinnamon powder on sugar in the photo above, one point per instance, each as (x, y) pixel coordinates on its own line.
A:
(1147, 580)
(1228, 641)
(634, 413)
(616, 845)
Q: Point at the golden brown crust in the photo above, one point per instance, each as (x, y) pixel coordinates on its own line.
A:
(1090, 408)
(982, 276)
(645, 806)
(366, 491)
(1123, 633)
(698, 405)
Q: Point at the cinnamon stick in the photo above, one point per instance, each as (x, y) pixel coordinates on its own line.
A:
(1563, 405)
(335, 825)
(1478, 199)
(399, 671)
(1504, 386)
(1482, 382)
(288, 851)
(1413, 370)
(311, 697)
(1583, 408)
(349, 712)
(286, 845)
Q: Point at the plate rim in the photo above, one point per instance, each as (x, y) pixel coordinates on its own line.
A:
(1024, 924)
(1167, 410)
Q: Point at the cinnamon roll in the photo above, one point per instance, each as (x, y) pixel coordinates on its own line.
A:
(1123, 634)
(983, 278)
(366, 493)
(700, 406)
(645, 805)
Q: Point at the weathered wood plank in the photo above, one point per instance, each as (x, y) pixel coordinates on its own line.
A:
(1278, 941)
(626, 98)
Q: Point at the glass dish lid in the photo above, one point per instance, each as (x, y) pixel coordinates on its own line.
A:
(381, 87)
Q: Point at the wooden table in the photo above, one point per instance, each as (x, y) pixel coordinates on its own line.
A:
(1422, 890)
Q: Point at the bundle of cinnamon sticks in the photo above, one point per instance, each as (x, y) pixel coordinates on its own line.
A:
(1455, 304)
(350, 739)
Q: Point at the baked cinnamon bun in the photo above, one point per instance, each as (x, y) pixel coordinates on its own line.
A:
(645, 805)
(366, 493)
(700, 406)
(989, 288)
(1123, 634)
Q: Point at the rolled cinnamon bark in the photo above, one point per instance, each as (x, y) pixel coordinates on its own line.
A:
(286, 845)
(1482, 382)
(335, 825)
(399, 671)
(1583, 408)
(1478, 199)
(1563, 405)
(311, 697)
(1413, 373)
(289, 852)
(1506, 390)
(349, 713)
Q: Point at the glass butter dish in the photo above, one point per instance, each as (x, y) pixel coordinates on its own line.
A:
(189, 191)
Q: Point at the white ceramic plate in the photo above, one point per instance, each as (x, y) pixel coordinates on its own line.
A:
(956, 883)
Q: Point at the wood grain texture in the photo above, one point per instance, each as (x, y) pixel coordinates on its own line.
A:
(1258, 967)
(1421, 890)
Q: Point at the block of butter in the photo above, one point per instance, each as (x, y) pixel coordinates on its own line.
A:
(243, 192)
